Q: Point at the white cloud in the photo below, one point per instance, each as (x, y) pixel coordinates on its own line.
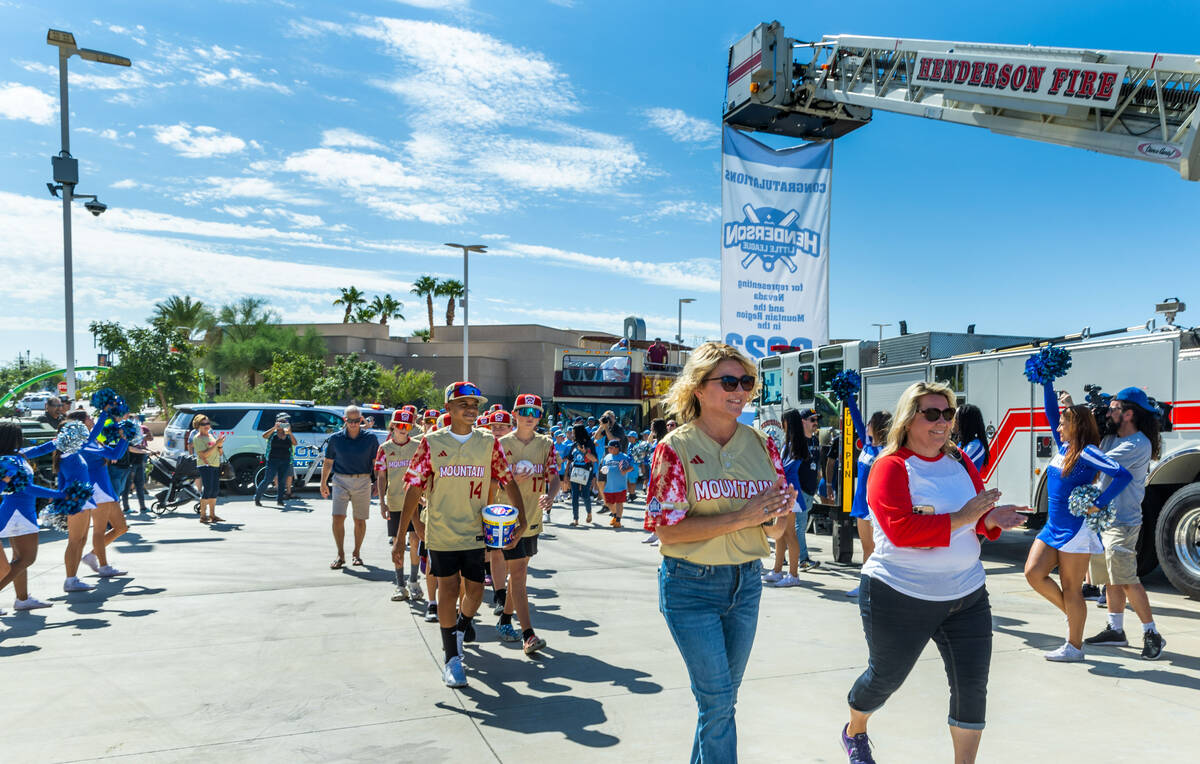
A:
(297, 219)
(705, 213)
(237, 210)
(199, 142)
(215, 187)
(441, 5)
(595, 163)
(19, 101)
(657, 325)
(351, 169)
(700, 274)
(341, 136)
(126, 183)
(681, 127)
(236, 79)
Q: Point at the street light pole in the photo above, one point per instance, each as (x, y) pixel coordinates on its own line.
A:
(466, 249)
(66, 175)
(679, 330)
(881, 330)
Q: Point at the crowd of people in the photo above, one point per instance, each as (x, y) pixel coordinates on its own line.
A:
(716, 492)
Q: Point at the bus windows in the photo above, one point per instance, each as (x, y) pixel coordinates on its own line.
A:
(807, 389)
(772, 386)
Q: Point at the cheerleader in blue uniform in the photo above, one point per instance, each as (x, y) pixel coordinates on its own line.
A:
(18, 513)
(1066, 542)
(108, 511)
(971, 435)
(874, 435)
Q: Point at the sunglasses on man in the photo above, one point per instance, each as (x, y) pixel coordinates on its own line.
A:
(729, 383)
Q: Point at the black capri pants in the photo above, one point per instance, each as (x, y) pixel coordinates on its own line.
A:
(898, 627)
(210, 481)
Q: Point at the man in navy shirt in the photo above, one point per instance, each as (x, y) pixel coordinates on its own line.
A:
(350, 457)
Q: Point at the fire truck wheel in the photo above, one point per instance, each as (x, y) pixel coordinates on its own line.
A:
(1177, 539)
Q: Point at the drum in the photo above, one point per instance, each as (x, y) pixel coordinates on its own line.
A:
(499, 525)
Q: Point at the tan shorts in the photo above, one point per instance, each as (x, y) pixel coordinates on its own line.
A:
(354, 490)
(1118, 565)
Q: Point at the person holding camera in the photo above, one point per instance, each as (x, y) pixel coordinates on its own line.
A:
(278, 456)
(1132, 440)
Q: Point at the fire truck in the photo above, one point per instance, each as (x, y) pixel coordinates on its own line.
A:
(988, 372)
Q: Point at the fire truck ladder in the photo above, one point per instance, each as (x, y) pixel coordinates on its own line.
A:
(833, 86)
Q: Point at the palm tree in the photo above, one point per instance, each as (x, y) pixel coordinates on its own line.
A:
(422, 334)
(426, 287)
(452, 289)
(364, 315)
(351, 298)
(241, 320)
(184, 313)
(386, 307)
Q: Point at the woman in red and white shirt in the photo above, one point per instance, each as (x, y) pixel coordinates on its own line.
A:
(924, 580)
(716, 492)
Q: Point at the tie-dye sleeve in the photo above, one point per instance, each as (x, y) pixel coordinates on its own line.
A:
(666, 498)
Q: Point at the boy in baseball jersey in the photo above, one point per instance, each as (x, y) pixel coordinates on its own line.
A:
(534, 467)
(391, 463)
(452, 469)
(499, 423)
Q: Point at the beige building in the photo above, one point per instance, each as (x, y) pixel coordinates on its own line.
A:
(505, 359)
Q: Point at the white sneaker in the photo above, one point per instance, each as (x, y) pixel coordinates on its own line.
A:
(108, 571)
(772, 577)
(400, 594)
(32, 603)
(650, 539)
(1068, 653)
(90, 560)
(853, 592)
(73, 584)
(786, 581)
(414, 590)
(453, 674)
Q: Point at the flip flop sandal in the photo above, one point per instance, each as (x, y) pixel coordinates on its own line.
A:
(337, 564)
(358, 561)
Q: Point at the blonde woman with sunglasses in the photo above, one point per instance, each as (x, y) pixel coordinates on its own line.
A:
(716, 493)
(924, 580)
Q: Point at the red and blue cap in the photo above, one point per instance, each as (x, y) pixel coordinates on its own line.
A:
(459, 390)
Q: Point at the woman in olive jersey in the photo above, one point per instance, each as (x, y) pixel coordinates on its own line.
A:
(716, 492)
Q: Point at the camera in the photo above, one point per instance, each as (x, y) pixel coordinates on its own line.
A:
(1098, 403)
(606, 419)
(95, 206)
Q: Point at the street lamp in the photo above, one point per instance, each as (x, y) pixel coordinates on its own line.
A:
(679, 332)
(66, 176)
(466, 248)
(881, 330)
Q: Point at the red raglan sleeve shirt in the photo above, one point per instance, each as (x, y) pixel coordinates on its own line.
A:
(420, 469)
(667, 489)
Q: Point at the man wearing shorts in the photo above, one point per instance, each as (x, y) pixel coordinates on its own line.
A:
(535, 469)
(391, 463)
(454, 468)
(350, 457)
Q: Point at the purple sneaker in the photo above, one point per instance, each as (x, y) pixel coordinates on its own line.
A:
(858, 748)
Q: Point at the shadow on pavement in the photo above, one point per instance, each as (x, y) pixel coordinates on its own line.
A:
(506, 708)
(370, 573)
(28, 623)
(546, 618)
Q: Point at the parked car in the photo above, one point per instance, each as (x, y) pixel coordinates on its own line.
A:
(376, 418)
(243, 425)
(32, 404)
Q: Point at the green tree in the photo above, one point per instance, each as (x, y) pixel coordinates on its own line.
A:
(398, 387)
(147, 361)
(364, 314)
(349, 380)
(292, 375)
(452, 289)
(244, 318)
(351, 298)
(247, 355)
(386, 307)
(426, 287)
(423, 334)
(237, 390)
(184, 313)
(19, 370)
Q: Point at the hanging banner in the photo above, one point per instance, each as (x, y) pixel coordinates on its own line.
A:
(774, 244)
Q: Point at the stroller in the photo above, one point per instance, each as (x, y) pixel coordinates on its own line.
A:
(179, 476)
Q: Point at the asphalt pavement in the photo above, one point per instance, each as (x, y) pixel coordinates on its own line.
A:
(237, 643)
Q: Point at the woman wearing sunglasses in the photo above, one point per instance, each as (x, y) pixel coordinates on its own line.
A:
(924, 580)
(716, 492)
(208, 462)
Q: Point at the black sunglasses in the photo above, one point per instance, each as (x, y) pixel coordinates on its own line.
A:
(932, 414)
(729, 382)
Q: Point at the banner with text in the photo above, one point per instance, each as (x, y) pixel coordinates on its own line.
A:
(774, 244)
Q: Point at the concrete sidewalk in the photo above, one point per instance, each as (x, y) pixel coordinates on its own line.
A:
(237, 643)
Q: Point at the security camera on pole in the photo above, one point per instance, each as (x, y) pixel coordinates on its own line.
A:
(66, 176)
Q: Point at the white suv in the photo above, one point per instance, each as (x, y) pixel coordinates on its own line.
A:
(244, 425)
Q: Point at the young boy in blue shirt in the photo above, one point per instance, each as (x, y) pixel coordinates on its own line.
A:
(614, 468)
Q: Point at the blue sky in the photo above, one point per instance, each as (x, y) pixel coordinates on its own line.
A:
(285, 149)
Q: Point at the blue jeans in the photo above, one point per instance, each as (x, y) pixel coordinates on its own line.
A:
(274, 468)
(898, 627)
(119, 476)
(802, 523)
(580, 490)
(712, 614)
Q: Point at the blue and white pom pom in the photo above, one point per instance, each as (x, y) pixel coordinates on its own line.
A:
(119, 407)
(104, 397)
(111, 431)
(12, 467)
(1082, 499)
(1048, 365)
(78, 494)
(846, 384)
(132, 430)
(71, 436)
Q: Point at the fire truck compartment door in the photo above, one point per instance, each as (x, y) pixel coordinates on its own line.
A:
(882, 390)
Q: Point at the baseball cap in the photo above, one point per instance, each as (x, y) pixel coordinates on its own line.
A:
(805, 413)
(405, 418)
(527, 399)
(1137, 396)
(483, 420)
(410, 407)
(577, 420)
(459, 390)
(645, 433)
(443, 421)
(281, 417)
(614, 444)
(500, 416)
(431, 414)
